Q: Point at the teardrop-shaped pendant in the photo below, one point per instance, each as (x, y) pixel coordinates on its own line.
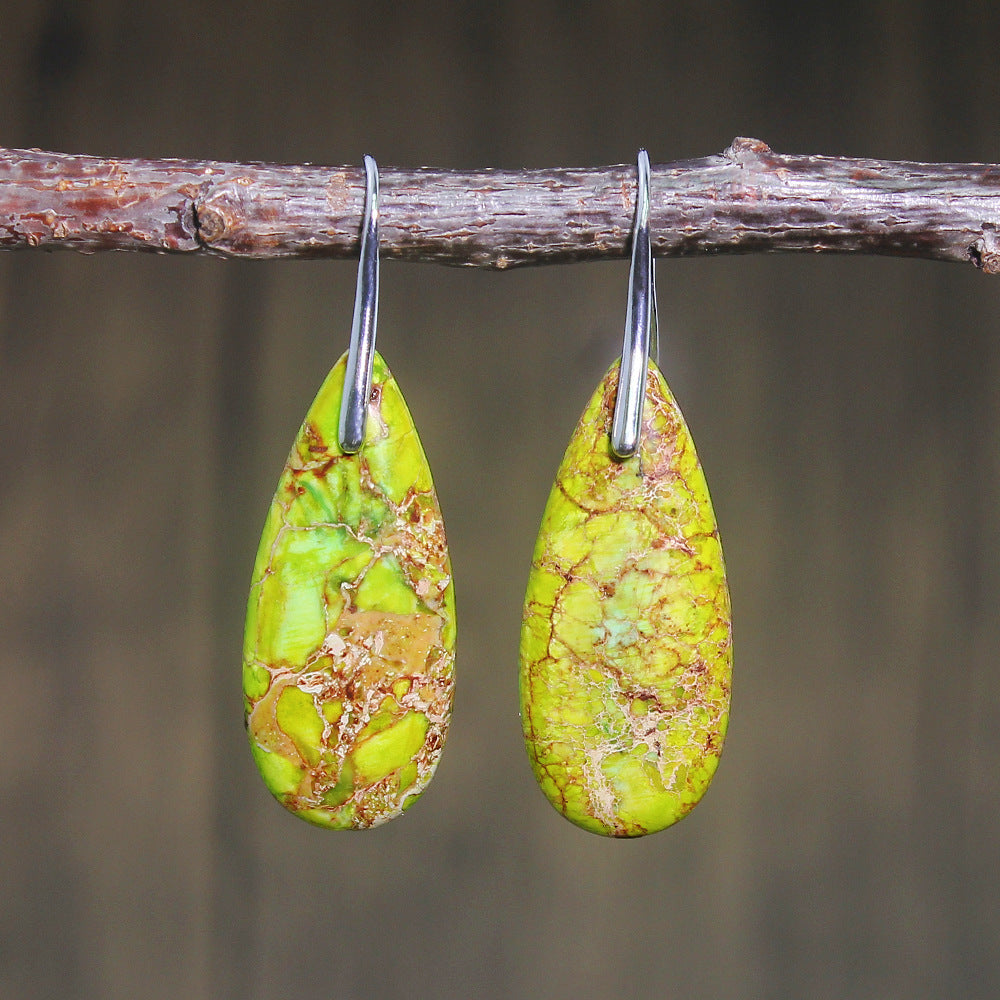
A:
(626, 644)
(348, 662)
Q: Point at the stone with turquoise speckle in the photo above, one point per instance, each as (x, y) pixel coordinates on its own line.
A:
(348, 656)
(626, 642)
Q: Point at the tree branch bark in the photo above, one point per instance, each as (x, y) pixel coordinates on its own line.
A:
(747, 199)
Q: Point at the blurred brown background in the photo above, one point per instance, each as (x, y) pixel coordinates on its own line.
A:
(847, 412)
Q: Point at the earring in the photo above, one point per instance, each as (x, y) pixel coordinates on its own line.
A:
(348, 662)
(626, 642)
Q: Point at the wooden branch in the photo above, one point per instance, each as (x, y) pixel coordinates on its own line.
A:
(745, 200)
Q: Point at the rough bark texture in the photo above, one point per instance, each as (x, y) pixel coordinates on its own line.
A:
(746, 199)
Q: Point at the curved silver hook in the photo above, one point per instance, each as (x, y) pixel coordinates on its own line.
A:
(361, 353)
(640, 326)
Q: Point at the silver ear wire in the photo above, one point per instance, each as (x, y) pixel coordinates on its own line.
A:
(361, 353)
(640, 326)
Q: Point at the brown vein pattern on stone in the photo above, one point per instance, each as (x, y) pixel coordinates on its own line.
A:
(626, 644)
(348, 669)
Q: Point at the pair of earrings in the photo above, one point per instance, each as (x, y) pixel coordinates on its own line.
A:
(348, 668)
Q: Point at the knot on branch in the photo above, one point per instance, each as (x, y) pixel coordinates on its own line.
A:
(210, 223)
(985, 252)
(742, 149)
(215, 216)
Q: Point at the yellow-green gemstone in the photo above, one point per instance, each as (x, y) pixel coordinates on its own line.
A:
(348, 655)
(626, 644)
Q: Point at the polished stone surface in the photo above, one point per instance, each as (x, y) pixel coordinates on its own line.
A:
(348, 667)
(626, 644)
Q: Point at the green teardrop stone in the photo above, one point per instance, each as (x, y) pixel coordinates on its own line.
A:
(348, 656)
(626, 644)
